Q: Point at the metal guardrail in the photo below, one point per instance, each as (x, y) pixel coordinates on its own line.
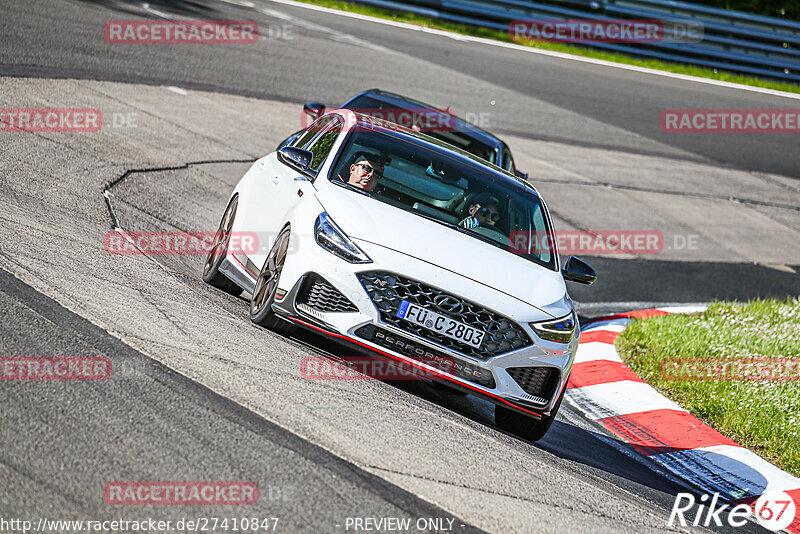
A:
(731, 41)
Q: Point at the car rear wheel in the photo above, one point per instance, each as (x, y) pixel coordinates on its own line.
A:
(524, 426)
(211, 273)
(267, 285)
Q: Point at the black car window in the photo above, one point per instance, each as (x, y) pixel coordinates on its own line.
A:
(467, 143)
(432, 183)
(315, 128)
(442, 130)
(322, 145)
(508, 161)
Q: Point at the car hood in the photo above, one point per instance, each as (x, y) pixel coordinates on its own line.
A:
(381, 224)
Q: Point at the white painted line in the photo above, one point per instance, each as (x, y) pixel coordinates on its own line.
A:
(777, 478)
(243, 3)
(620, 398)
(335, 35)
(607, 325)
(560, 55)
(177, 90)
(615, 325)
(589, 352)
(684, 309)
(629, 304)
(161, 14)
(780, 267)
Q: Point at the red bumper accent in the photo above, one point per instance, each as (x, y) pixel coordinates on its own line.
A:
(495, 398)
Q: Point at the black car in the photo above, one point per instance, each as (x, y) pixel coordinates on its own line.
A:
(459, 132)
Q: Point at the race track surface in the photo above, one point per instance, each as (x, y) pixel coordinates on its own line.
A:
(199, 393)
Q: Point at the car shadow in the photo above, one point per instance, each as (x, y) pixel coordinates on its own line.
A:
(580, 443)
(564, 439)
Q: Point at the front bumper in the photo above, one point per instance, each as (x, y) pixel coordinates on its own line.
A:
(314, 282)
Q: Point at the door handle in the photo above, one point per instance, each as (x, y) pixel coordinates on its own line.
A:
(276, 180)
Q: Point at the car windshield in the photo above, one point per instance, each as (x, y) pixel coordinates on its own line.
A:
(462, 194)
(442, 131)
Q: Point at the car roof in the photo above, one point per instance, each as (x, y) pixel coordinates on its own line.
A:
(376, 124)
(460, 125)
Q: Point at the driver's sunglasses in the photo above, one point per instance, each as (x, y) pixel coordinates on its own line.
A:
(484, 212)
(368, 169)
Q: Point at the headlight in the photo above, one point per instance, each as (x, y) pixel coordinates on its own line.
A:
(331, 238)
(559, 330)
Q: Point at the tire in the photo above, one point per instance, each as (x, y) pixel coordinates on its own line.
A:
(267, 285)
(211, 274)
(524, 426)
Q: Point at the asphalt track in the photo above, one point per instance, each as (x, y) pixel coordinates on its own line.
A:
(549, 108)
(198, 393)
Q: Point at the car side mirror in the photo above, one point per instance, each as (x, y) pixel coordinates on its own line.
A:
(520, 174)
(296, 158)
(289, 140)
(314, 109)
(579, 271)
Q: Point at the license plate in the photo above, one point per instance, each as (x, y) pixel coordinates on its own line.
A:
(441, 324)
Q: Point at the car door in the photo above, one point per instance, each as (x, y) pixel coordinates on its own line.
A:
(273, 187)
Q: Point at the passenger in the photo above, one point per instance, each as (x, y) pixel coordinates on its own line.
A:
(365, 172)
(484, 213)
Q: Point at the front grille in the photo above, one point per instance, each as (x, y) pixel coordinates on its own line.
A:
(388, 290)
(430, 357)
(317, 293)
(536, 381)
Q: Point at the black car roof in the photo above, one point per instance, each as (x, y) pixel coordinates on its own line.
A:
(460, 124)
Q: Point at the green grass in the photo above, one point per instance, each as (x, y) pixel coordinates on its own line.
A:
(763, 416)
(558, 47)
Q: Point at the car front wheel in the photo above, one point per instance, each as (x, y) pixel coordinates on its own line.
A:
(524, 426)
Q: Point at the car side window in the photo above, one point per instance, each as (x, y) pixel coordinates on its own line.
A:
(508, 161)
(321, 147)
(312, 131)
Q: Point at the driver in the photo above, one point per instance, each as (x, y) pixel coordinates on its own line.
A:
(365, 172)
(484, 213)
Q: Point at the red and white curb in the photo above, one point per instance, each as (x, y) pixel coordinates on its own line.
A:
(607, 391)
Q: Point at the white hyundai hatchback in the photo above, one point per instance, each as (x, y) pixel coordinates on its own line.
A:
(401, 244)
